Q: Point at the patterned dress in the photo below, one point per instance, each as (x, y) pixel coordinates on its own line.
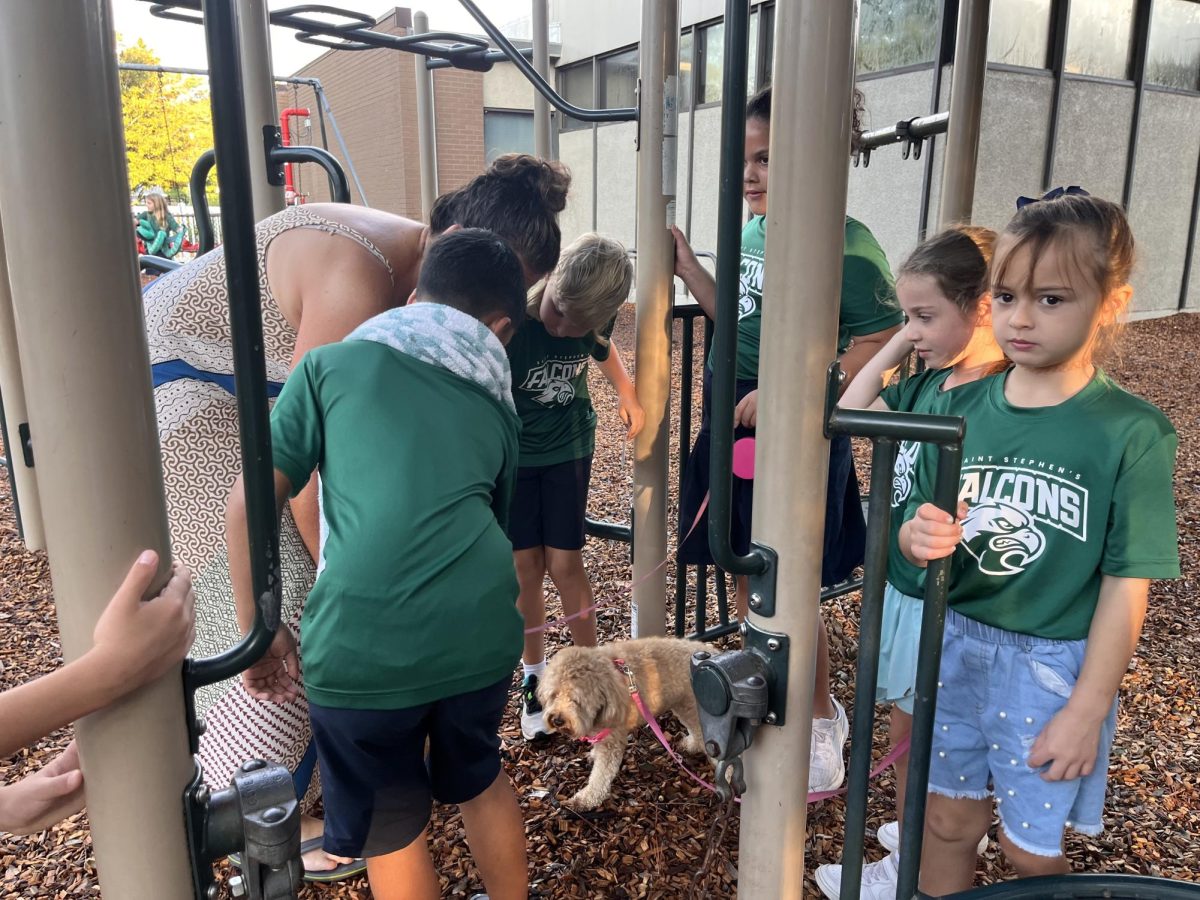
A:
(187, 326)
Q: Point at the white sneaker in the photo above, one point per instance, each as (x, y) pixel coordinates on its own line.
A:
(889, 837)
(878, 879)
(532, 723)
(826, 767)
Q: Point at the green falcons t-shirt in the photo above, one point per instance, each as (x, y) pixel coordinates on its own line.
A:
(550, 390)
(868, 302)
(1057, 497)
(917, 394)
(417, 600)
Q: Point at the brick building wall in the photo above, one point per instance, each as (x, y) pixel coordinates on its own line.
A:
(373, 95)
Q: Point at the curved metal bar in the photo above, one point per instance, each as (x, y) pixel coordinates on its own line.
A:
(339, 187)
(157, 264)
(490, 58)
(331, 44)
(167, 11)
(197, 184)
(358, 20)
(241, 272)
(539, 84)
(729, 250)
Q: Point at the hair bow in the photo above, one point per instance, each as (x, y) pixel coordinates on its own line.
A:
(1054, 194)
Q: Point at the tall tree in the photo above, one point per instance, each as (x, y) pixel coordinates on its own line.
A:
(168, 123)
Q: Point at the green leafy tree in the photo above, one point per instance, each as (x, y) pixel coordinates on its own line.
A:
(168, 124)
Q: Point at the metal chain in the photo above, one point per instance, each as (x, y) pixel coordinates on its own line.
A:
(716, 836)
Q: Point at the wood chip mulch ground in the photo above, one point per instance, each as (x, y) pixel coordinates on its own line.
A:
(650, 839)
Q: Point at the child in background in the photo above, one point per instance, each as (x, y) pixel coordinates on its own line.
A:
(135, 643)
(162, 235)
(1066, 512)
(867, 319)
(569, 318)
(943, 290)
(411, 631)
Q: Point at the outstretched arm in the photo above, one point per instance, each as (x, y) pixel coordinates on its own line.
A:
(864, 349)
(630, 409)
(1070, 741)
(135, 643)
(700, 284)
(863, 392)
(275, 677)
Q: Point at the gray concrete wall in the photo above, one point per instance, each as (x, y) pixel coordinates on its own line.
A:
(589, 29)
(707, 165)
(504, 87)
(1093, 137)
(886, 195)
(575, 150)
(1160, 208)
(1012, 143)
(616, 180)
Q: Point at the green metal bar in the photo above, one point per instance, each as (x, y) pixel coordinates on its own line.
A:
(929, 660)
(869, 635)
(729, 252)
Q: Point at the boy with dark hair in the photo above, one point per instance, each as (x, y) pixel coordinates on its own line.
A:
(411, 631)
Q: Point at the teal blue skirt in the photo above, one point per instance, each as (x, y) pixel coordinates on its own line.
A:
(899, 641)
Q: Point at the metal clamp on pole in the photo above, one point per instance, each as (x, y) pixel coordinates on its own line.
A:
(258, 814)
(732, 698)
(909, 132)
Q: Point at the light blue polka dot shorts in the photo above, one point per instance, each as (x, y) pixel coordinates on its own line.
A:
(996, 691)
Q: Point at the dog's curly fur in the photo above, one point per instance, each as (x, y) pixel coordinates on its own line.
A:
(583, 692)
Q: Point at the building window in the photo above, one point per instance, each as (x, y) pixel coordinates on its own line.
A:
(618, 80)
(575, 86)
(686, 71)
(506, 131)
(710, 61)
(752, 55)
(767, 57)
(895, 33)
(1098, 38)
(1173, 58)
(1019, 33)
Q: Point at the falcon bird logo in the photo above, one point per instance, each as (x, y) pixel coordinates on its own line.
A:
(1003, 538)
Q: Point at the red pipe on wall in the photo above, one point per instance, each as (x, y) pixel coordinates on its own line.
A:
(289, 190)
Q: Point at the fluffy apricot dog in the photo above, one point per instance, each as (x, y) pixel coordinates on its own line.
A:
(584, 692)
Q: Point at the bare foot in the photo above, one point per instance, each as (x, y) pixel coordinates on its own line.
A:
(317, 860)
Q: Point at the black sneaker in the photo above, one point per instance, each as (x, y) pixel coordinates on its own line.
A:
(532, 723)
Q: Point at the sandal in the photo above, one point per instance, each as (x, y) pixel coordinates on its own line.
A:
(338, 873)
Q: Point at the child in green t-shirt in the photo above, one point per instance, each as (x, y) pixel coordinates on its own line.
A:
(1066, 512)
(569, 317)
(867, 318)
(943, 290)
(411, 630)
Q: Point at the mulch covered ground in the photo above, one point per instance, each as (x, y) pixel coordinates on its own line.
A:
(651, 838)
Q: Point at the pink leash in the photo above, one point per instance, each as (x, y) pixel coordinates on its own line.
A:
(813, 797)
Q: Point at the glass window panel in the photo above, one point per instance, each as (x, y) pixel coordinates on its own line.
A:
(768, 21)
(686, 70)
(712, 48)
(575, 85)
(894, 33)
(618, 80)
(1173, 58)
(506, 132)
(1019, 33)
(1098, 37)
(752, 57)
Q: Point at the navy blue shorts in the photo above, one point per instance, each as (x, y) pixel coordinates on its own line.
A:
(378, 788)
(549, 505)
(845, 527)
